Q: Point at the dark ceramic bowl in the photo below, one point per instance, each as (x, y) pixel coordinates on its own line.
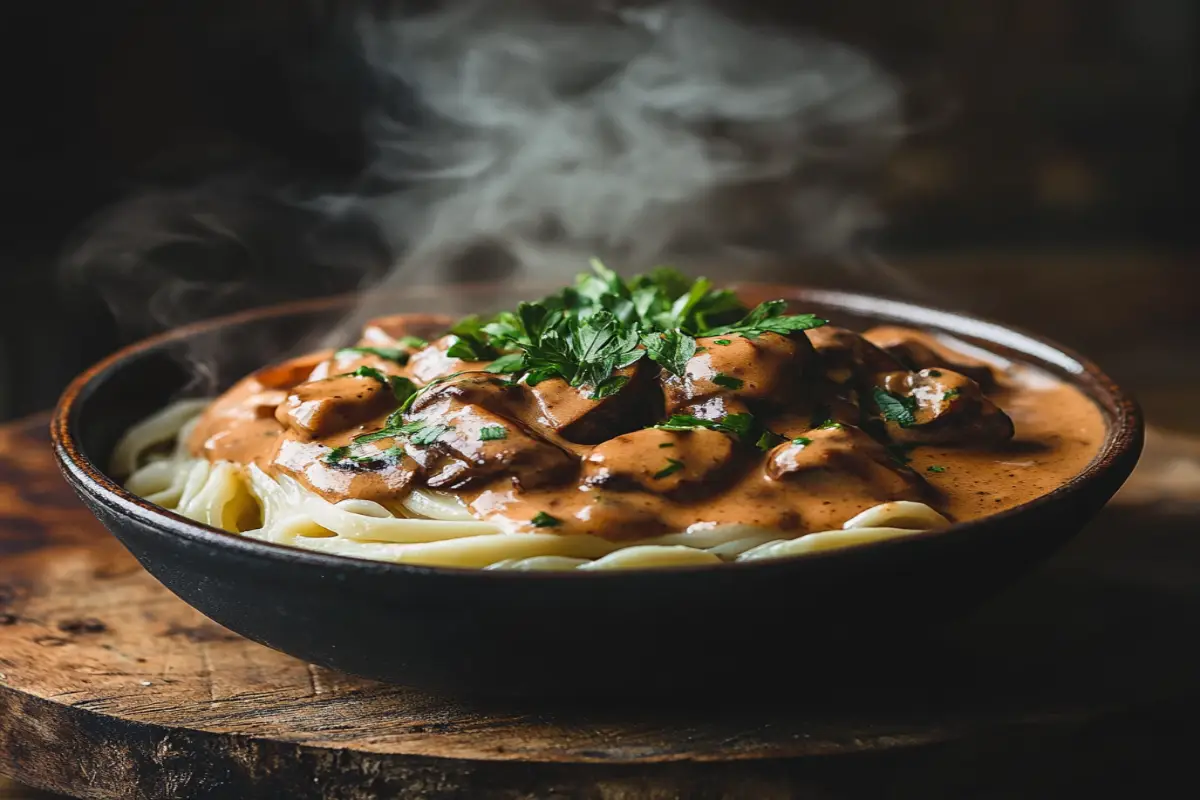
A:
(574, 632)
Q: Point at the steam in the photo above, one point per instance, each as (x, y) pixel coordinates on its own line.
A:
(517, 140)
(670, 132)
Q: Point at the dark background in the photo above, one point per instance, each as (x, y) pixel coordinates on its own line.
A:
(1070, 129)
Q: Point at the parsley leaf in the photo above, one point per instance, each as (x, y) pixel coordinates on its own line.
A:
(386, 353)
(370, 372)
(895, 408)
(510, 362)
(336, 454)
(768, 317)
(470, 341)
(670, 349)
(544, 520)
(728, 381)
(673, 466)
(935, 468)
(950, 395)
(723, 342)
(428, 434)
(491, 433)
(412, 342)
(402, 388)
(741, 425)
(803, 441)
(609, 386)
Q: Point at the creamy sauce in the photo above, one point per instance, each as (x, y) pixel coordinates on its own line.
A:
(979, 438)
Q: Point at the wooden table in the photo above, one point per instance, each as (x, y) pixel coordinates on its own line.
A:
(1081, 679)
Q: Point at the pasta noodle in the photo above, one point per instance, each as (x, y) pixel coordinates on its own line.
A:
(439, 530)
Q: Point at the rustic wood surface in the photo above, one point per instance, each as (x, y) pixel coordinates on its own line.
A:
(1085, 674)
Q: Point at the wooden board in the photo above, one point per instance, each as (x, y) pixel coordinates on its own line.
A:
(112, 687)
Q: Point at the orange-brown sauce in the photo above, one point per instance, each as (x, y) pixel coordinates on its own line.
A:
(982, 437)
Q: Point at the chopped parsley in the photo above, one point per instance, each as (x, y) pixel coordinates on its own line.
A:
(673, 466)
(935, 468)
(544, 520)
(670, 349)
(370, 372)
(895, 408)
(950, 395)
(803, 441)
(336, 454)
(723, 342)
(609, 386)
(470, 341)
(728, 381)
(402, 388)
(831, 424)
(768, 317)
(604, 323)
(491, 433)
(428, 434)
(413, 342)
(743, 426)
(386, 353)
(509, 362)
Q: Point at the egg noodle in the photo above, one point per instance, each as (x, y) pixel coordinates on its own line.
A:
(437, 529)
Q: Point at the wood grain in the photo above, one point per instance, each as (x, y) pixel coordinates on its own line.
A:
(111, 687)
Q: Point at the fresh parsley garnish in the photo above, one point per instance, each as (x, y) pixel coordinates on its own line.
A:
(609, 386)
(583, 352)
(370, 372)
(670, 349)
(412, 342)
(803, 441)
(544, 520)
(490, 433)
(742, 426)
(509, 362)
(386, 353)
(673, 466)
(470, 341)
(895, 408)
(950, 395)
(935, 468)
(427, 434)
(768, 317)
(604, 323)
(723, 342)
(728, 381)
(402, 388)
(830, 424)
(337, 454)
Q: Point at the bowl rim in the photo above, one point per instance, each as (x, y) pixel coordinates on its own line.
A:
(1119, 451)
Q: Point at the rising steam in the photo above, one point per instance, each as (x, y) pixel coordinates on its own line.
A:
(547, 132)
(639, 135)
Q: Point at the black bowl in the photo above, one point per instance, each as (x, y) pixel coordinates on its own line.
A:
(573, 632)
